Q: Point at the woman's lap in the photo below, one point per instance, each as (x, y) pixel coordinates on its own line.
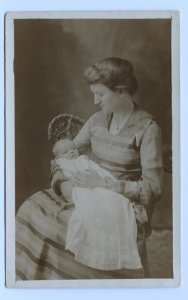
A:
(41, 225)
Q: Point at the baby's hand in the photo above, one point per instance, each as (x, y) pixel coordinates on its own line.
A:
(57, 175)
(66, 190)
(53, 165)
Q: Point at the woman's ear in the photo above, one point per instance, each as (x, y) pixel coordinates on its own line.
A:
(121, 90)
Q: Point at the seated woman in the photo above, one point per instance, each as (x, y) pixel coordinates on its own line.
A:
(126, 141)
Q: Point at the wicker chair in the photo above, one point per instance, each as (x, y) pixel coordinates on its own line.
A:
(64, 125)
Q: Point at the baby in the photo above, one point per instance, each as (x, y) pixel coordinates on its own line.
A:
(102, 229)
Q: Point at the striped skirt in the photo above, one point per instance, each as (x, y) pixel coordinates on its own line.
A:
(41, 225)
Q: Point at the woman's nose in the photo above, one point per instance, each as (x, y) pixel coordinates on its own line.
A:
(97, 99)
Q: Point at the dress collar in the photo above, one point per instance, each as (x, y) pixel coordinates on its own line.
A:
(110, 116)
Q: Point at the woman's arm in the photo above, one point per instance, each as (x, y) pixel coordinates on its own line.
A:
(60, 183)
(82, 142)
(151, 184)
(149, 187)
(142, 191)
(83, 139)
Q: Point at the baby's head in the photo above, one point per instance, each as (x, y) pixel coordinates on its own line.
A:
(63, 148)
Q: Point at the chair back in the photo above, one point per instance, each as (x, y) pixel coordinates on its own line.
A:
(64, 126)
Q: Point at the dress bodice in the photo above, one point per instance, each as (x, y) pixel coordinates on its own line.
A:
(120, 153)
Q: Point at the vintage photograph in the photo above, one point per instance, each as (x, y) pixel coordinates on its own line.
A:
(90, 114)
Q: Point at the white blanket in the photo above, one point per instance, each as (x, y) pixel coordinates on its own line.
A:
(102, 231)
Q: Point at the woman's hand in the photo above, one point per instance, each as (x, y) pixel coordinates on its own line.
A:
(88, 179)
(66, 190)
(53, 165)
(56, 173)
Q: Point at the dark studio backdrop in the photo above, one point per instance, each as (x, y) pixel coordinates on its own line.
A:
(50, 58)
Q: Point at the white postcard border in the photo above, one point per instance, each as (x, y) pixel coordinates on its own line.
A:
(10, 152)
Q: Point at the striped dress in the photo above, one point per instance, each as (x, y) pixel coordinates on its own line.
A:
(134, 157)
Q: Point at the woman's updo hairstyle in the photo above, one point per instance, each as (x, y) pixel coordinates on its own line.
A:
(114, 73)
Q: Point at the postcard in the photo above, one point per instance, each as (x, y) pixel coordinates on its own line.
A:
(92, 135)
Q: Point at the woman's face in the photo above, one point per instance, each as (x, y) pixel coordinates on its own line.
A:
(108, 100)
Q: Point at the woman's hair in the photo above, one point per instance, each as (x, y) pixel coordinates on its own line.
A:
(114, 73)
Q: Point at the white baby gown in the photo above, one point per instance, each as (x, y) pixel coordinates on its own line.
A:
(102, 231)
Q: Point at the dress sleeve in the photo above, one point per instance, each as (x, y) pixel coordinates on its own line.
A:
(83, 138)
(56, 177)
(150, 186)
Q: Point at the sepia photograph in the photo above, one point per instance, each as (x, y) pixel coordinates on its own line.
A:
(92, 122)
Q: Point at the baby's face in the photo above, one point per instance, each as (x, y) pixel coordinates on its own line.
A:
(65, 148)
